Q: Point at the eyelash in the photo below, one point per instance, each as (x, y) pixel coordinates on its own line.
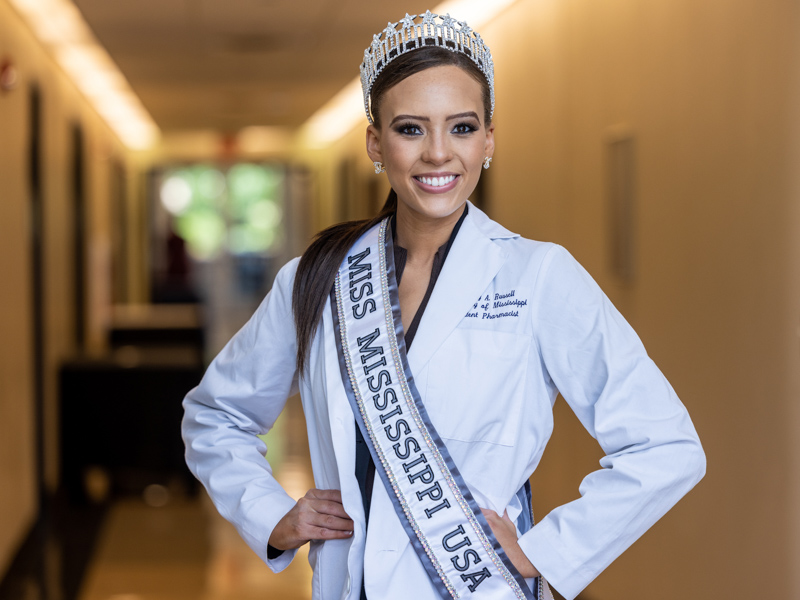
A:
(459, 129)
(466, 128)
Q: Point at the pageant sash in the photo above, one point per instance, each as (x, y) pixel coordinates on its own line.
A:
(443, 521)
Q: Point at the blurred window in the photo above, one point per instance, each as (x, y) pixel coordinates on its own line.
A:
(239, 210)
(211, 212)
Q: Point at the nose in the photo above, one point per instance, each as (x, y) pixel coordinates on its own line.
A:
(437, 149)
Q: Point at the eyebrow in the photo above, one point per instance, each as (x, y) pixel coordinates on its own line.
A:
(471, 113)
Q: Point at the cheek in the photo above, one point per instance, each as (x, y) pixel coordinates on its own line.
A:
(399, 157)
(474, 153)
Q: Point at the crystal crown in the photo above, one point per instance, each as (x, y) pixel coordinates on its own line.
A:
(413, 32)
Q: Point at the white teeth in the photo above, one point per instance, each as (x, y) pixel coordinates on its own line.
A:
(437, 181)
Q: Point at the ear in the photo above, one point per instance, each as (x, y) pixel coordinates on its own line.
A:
(488, 147)
(374, 144)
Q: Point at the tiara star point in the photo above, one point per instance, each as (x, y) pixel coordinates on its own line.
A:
(408, 21)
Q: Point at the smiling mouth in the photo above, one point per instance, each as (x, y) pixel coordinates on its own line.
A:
(437, 181)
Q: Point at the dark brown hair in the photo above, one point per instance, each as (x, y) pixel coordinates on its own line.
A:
(319, 263)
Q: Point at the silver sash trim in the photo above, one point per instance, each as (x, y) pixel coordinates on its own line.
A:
(444, 523)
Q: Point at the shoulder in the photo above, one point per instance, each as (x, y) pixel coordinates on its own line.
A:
(285, 277)
(279, 298)
(534, 253)
(548, 268)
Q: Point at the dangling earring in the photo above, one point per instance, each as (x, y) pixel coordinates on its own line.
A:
(486, 162)
(379, 168)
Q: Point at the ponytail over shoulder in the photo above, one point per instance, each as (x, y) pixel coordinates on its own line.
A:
(316, 273)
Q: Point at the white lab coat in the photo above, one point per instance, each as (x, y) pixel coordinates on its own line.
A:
(488, 376)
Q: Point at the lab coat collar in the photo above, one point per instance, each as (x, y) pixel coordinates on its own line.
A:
(485, 225)
(472, 263)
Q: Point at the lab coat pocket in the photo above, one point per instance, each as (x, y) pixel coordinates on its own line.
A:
(476, 386)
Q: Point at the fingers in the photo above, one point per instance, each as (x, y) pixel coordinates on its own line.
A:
(506, 534)
(319, 515)
(491, 516)
(334, 495)
(325, 507)
(326, 521)
(327, 502)
(501, 526)
(321, 533)
(322, 516)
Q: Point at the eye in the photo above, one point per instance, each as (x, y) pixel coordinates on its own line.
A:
(408, 129)
(464, 128)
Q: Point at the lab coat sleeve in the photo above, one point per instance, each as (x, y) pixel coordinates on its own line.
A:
(653, 455)
(240, 396)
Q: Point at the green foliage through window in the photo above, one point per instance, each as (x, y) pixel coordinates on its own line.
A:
(239, 210)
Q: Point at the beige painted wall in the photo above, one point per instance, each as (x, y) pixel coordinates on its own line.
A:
(17, 463)
(61, 107)
(327, 166)
(707, 90)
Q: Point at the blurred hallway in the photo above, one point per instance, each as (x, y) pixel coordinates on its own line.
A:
(184, 550)
(162, 159)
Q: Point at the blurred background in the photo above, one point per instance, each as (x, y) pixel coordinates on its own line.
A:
(161, 159)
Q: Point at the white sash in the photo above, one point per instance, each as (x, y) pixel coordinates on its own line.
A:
(443, 521)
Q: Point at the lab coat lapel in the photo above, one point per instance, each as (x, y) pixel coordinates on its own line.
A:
(341, 419)
(472, 263)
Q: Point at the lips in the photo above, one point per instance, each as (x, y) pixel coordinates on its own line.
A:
(437, 184)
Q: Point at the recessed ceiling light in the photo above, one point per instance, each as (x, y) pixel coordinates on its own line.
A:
(59, 25)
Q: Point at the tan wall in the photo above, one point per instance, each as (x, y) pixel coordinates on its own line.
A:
(61, 107)
(705, 88)
(707, 91)
(341, 167)
(17, 462)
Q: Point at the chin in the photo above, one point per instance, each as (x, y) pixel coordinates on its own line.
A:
(433, 207)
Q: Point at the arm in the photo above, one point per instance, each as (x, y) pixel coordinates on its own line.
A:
(653, 455)
(241, 395)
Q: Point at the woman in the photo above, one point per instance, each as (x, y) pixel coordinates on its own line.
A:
(421, 460)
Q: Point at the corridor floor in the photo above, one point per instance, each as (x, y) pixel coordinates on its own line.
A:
(184, 550)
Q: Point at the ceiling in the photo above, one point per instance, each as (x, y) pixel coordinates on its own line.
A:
(229, 64)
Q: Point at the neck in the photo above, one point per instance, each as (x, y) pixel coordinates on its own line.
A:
(422, 236)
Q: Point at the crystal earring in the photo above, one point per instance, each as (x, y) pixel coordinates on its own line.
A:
(486, 162)
(379, 168)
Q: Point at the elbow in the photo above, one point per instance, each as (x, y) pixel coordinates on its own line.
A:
(698, 462)
(694, 464)
(688, 462)
(192, 429)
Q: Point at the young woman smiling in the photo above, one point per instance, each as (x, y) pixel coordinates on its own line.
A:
(429, 345)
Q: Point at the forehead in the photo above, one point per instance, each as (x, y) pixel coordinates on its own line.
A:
(434, 92)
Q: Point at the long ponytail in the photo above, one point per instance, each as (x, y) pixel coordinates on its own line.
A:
(317, 271)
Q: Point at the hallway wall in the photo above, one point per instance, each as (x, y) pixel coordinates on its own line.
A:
(706, 92)
(62, 109)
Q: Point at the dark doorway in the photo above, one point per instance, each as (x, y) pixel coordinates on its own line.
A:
(79, 236)
(37, 271)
